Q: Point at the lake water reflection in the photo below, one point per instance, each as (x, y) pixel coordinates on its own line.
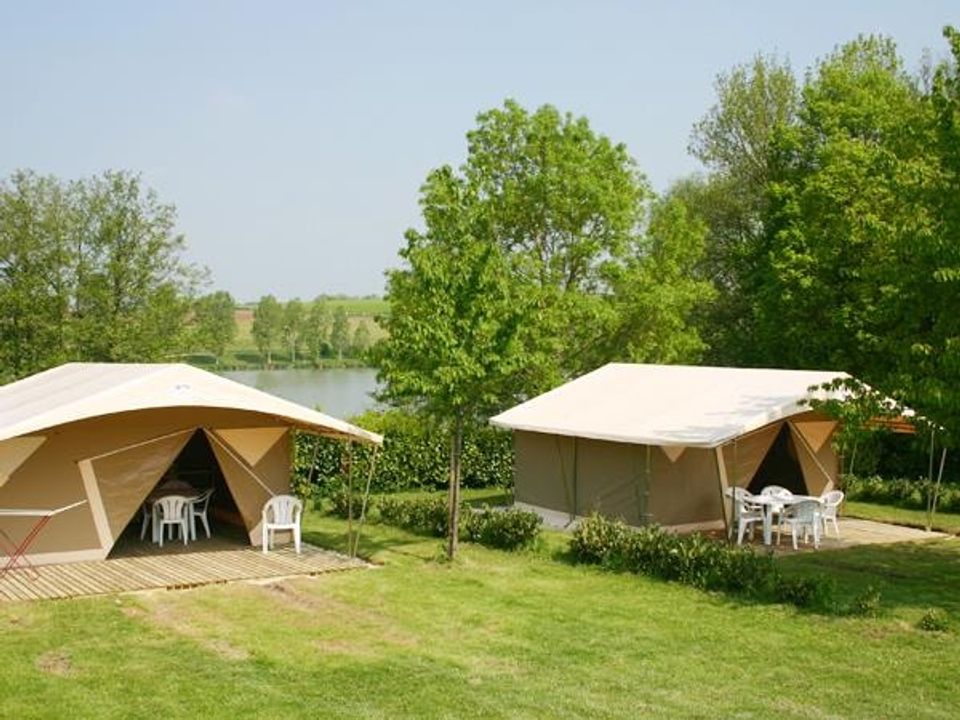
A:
(341, 392)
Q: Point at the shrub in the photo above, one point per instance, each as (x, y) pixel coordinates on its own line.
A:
(509, 529)
(867, 603)
(599, 540)
(805, 592)
(424, 515)
(691, 559)
(901, 492)
(340, 503)
(934, 620)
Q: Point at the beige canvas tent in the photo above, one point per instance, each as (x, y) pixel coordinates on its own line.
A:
(662, 443)
(106, 434)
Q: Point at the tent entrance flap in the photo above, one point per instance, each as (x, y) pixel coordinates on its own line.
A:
(185, 464)
(780, 466)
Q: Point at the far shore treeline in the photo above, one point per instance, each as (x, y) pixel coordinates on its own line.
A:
(824, 232)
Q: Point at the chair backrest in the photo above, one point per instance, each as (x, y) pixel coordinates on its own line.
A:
(202, 500)
(832, 498)
(776, 491)
(741, 500)
(172, 507)
(806, 511)
(282, 510)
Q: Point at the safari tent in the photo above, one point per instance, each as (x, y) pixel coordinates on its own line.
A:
(663, 443)
(101, 436)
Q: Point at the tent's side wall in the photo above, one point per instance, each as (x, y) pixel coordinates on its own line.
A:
(685, 491)
(612, 479)
(671, 486)
(637, 483)
(544, 471)
(113, 462)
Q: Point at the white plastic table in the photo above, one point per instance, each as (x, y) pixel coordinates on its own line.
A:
(16, 552)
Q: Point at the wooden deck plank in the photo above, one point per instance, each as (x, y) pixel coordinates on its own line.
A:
(145, 567)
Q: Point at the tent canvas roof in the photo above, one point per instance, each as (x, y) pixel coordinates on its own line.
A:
(78, 391)
(668, 405)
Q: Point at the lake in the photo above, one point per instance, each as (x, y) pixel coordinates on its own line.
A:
(341, 392)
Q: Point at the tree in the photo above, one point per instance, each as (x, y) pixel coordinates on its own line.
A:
(267, 326)
(215, 323)
(90, 270)
(455, 348)
(292, 330)
(316, 328)
(563, 203)
(361, 339)
(657, 291)
(340, 332)
(756, 103)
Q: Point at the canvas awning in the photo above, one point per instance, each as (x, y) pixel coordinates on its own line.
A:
(79, 391)
(668, 405)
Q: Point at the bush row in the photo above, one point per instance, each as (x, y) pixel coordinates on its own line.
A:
(509, 529)
(414, 456)
(698, 561)
(901, 492)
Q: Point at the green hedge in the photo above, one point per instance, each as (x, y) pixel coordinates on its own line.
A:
(507, 529)
(414, 456)
(901, 492)
(694, 560)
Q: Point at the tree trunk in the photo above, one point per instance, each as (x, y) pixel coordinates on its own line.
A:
(453, 524)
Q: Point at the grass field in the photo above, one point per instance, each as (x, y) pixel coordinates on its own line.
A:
(943, 522)
(494, 635)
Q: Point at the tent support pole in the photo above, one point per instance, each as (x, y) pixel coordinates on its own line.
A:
(576, 474)
(722, 477)
(366, 495)
(349, 474)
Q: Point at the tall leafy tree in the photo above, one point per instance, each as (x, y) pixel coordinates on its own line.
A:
(316, 328)
(756, 103)
(89, 270)
(292, 329)
(215, 322)
(657, 291)
(267, 326)
(361, 338)
(564, 203)
(340, 332)
(455, 348)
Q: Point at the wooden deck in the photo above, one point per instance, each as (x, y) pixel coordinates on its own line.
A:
(143, 566)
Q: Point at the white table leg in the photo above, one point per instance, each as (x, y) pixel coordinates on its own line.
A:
(767, 524)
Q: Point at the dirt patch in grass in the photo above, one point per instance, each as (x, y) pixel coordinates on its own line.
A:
(325, 610)
(55, 662)
(168, 618)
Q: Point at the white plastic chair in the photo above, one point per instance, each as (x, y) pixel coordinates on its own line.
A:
(803, 517)
(171, 511)
(831, 504)
(781, 493)
(147, 516)
(746, 513)
(281, 512)
(198, 509)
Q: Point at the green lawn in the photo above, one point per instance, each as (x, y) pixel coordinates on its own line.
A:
(944, 522)
(494, 635)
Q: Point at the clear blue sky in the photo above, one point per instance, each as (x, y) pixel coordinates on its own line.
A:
(293, 136)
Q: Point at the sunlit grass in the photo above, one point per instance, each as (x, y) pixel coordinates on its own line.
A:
(495, 635)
